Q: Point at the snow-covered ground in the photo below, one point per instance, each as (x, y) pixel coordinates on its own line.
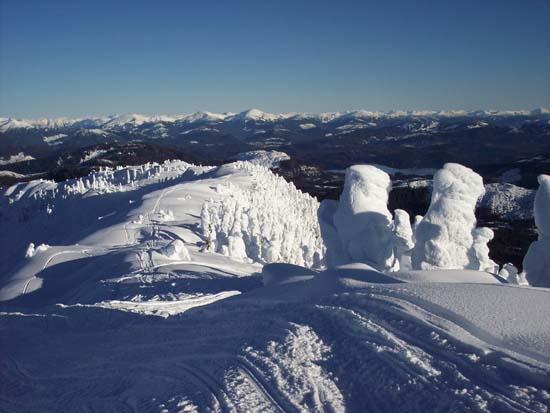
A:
(121, 307)
(20, 157)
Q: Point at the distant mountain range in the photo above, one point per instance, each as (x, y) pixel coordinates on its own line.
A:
(258, 116)
(491, 142)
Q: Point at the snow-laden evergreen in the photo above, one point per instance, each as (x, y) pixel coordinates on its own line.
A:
(271, 221)
(362, 220)
(447, 237)
(536, 263)
(105, 180)
(359, 227)
(403, 238)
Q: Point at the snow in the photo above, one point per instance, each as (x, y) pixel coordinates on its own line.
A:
(306, 126)
(267, 159)
(268, 222)
(92, 154)
(356, 118)
(11, 174)
(403, 238)
(508, 201)
(362, 219)
(399, 171)
(113, 316)
(175, 250)
(54, 139)
(509, 272)
(254, 115)
(19, 157)
(447, 236)
(406, 171)
(536, 263)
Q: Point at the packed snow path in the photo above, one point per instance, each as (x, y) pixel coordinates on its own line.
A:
(109, 323)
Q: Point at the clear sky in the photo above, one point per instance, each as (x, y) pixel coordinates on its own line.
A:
(84, 57)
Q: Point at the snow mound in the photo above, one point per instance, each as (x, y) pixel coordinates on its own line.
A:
(268, 159)
(447, 237)
(280, 273)
(446, 276)
(175, 250)
(536, 263)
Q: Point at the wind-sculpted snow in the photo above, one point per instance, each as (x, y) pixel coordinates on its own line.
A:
(536, 263)
(271, 221)
(447, 236)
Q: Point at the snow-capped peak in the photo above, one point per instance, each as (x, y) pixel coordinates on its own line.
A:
(204, 116)
(255, 115)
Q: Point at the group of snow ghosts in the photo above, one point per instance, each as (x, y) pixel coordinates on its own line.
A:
(274, 222)
(270, 222)
(360, 228)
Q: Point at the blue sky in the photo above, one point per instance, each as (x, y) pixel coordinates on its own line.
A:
(73, 58)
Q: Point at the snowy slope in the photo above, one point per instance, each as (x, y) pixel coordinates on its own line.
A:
(110, 318)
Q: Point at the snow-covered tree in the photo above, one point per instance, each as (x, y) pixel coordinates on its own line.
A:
(446, 238)
(403, 238)
(358, 228)
(270, 222)
(536, 263)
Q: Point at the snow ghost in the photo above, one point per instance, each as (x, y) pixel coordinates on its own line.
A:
(334, 255)
(480, 254)
(536, 263)
(510, 273)
(30, 251)
(446, 235)
(417, 220)
(362, 219)
(403, 238)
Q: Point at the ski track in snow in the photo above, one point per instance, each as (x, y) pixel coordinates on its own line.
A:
(221, 344)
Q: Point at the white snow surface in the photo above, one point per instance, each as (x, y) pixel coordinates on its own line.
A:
(11, 174)
(103, 321)
(53, 140)
(268, 159)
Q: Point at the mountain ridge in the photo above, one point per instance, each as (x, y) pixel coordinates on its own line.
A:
(253, 114)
